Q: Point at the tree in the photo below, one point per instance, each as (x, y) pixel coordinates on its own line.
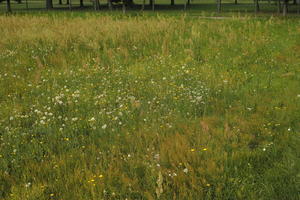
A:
(285, 7)
(8, 6)
(219, 5)
(97, 5)
(70, 4)
(123, 6)
(81, 3)
(128, 2)
(153, 4)
(49, 4)
(256, 6)
(278, 6)
(109, 4)
(172, 2)
(143, 6)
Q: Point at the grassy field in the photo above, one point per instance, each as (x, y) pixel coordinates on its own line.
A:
(149, 107)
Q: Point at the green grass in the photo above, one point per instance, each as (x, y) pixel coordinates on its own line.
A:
(149, 107)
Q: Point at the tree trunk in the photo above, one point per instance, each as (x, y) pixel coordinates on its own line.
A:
(256, 6)
(219, 5)
(172, 2)
(235, 1)
(81, 3)
(188, 2)
(153, 4)
(19, 1)
(150, 2)
(49, 4)
(285, 7)
(70, 4)
(123, 7)
(97, 5)
(60, 2)
(295, 2)
(143, 6)
(278, 6)
(8, 6)
(128, 2)
(109, 4)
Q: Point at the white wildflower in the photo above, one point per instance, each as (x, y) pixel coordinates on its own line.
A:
(92, 119)
(74, 119)
(28, 184)
(104, 126)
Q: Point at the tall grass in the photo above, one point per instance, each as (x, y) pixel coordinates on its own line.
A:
(149, 108)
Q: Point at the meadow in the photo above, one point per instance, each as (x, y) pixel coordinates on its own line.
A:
(104, 106)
